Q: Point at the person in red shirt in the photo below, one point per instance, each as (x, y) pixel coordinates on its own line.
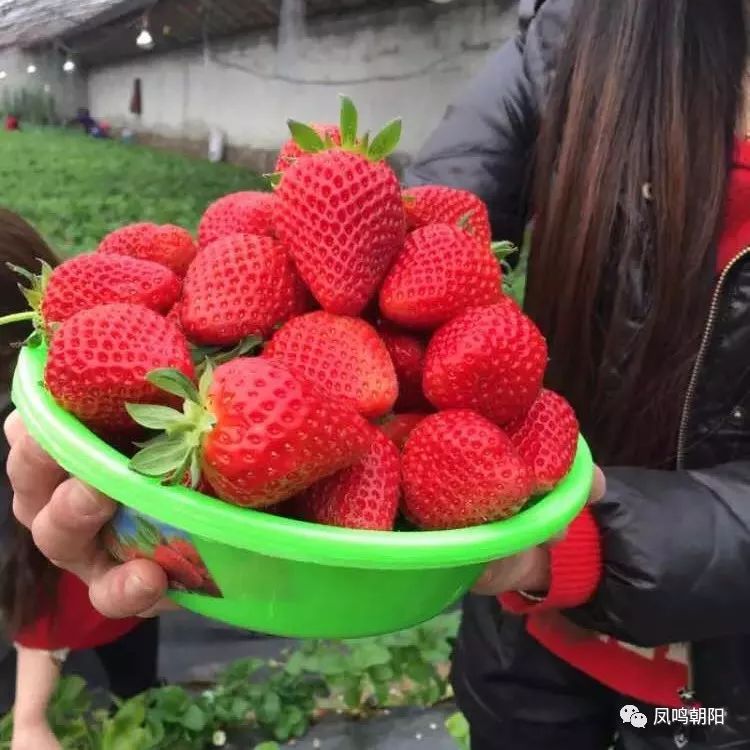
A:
(47, 613)
(12, 122)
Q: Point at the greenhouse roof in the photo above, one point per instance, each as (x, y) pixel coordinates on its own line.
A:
(102, 31)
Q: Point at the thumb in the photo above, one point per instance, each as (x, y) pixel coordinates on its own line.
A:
(598, 486)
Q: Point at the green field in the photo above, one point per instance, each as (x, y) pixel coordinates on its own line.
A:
(75, 189)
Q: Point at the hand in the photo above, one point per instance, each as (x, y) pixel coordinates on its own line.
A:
(65, 517)
(37, 736)
(529, 570)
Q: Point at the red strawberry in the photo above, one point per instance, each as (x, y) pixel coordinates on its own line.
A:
(290, 151)
(177, 568)
(364, 496)
(186, 549)
(399, 426)
(134, 240)
(461, 470)
(168, 245)
(176, 248)
(339, 212)
(239, 286)
(90, 280)
(258, 434)
(436, 204)
(407, 353)
(343, 357)
(490, 359)
(99, 359)
(440, 273)
(175, 314)
(547, 438)
(238, 213)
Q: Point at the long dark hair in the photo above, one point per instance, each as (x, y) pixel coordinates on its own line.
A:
(635, 146)
(27, 579)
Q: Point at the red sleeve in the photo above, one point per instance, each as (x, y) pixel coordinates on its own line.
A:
(576, 568)
(72, 623)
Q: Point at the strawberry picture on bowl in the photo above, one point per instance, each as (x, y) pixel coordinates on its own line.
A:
(323, 418)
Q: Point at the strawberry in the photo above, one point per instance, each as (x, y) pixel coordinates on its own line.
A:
(398, 427)
(437, 204)
(240, 285)
(134, 240)
(168, 245)
(90, 280)
(99, 358)
(364, 496)
(490, 359)
(186, 549)
(407, 353)
(547, 438)
(291, 151)
(178, 569)
(175, 248)
(175, 314)
(343, 357)
(339, 212)
(258, 434)
(247, 212)
(461, 470)
(441, 272)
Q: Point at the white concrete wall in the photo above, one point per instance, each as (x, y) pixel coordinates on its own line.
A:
(408, 62)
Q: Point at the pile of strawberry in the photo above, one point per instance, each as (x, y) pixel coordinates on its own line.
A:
(337, 350)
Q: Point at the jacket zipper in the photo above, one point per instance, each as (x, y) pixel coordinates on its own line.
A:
(689, 692)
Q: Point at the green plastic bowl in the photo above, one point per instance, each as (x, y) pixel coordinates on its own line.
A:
(275, 575)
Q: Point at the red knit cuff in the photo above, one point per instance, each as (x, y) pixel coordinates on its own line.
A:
(576, 568)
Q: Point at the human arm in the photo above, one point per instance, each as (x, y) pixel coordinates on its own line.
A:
(37, 673)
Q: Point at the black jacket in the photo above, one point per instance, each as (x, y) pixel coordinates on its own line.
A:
(676, 543)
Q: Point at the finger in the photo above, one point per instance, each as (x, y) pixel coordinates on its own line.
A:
(32, 474)
(14, 427)
(527, 570)
(66, 528)
(598, 486)
(135, 588)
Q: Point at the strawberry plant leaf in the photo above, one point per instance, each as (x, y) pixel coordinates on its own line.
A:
(155, 417)
(161, 457)
(174, 382)
(273, 179)
(364, 143)
(306, 137)
(385, 142)
(349, 122)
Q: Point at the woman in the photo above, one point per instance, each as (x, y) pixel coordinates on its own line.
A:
(639, 278)
(47, 613)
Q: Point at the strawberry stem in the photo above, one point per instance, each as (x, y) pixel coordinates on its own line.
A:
(17, 317)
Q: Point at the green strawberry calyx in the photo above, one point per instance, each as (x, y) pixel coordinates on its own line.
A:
(502, 251)
(173, 456)
(34, 294)
(216, 355)
(376, 149)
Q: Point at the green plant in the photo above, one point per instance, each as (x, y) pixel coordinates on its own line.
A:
(76, 189)
(458, 728)
(278, 698)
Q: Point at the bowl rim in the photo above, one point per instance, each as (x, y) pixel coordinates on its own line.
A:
(85, 456)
